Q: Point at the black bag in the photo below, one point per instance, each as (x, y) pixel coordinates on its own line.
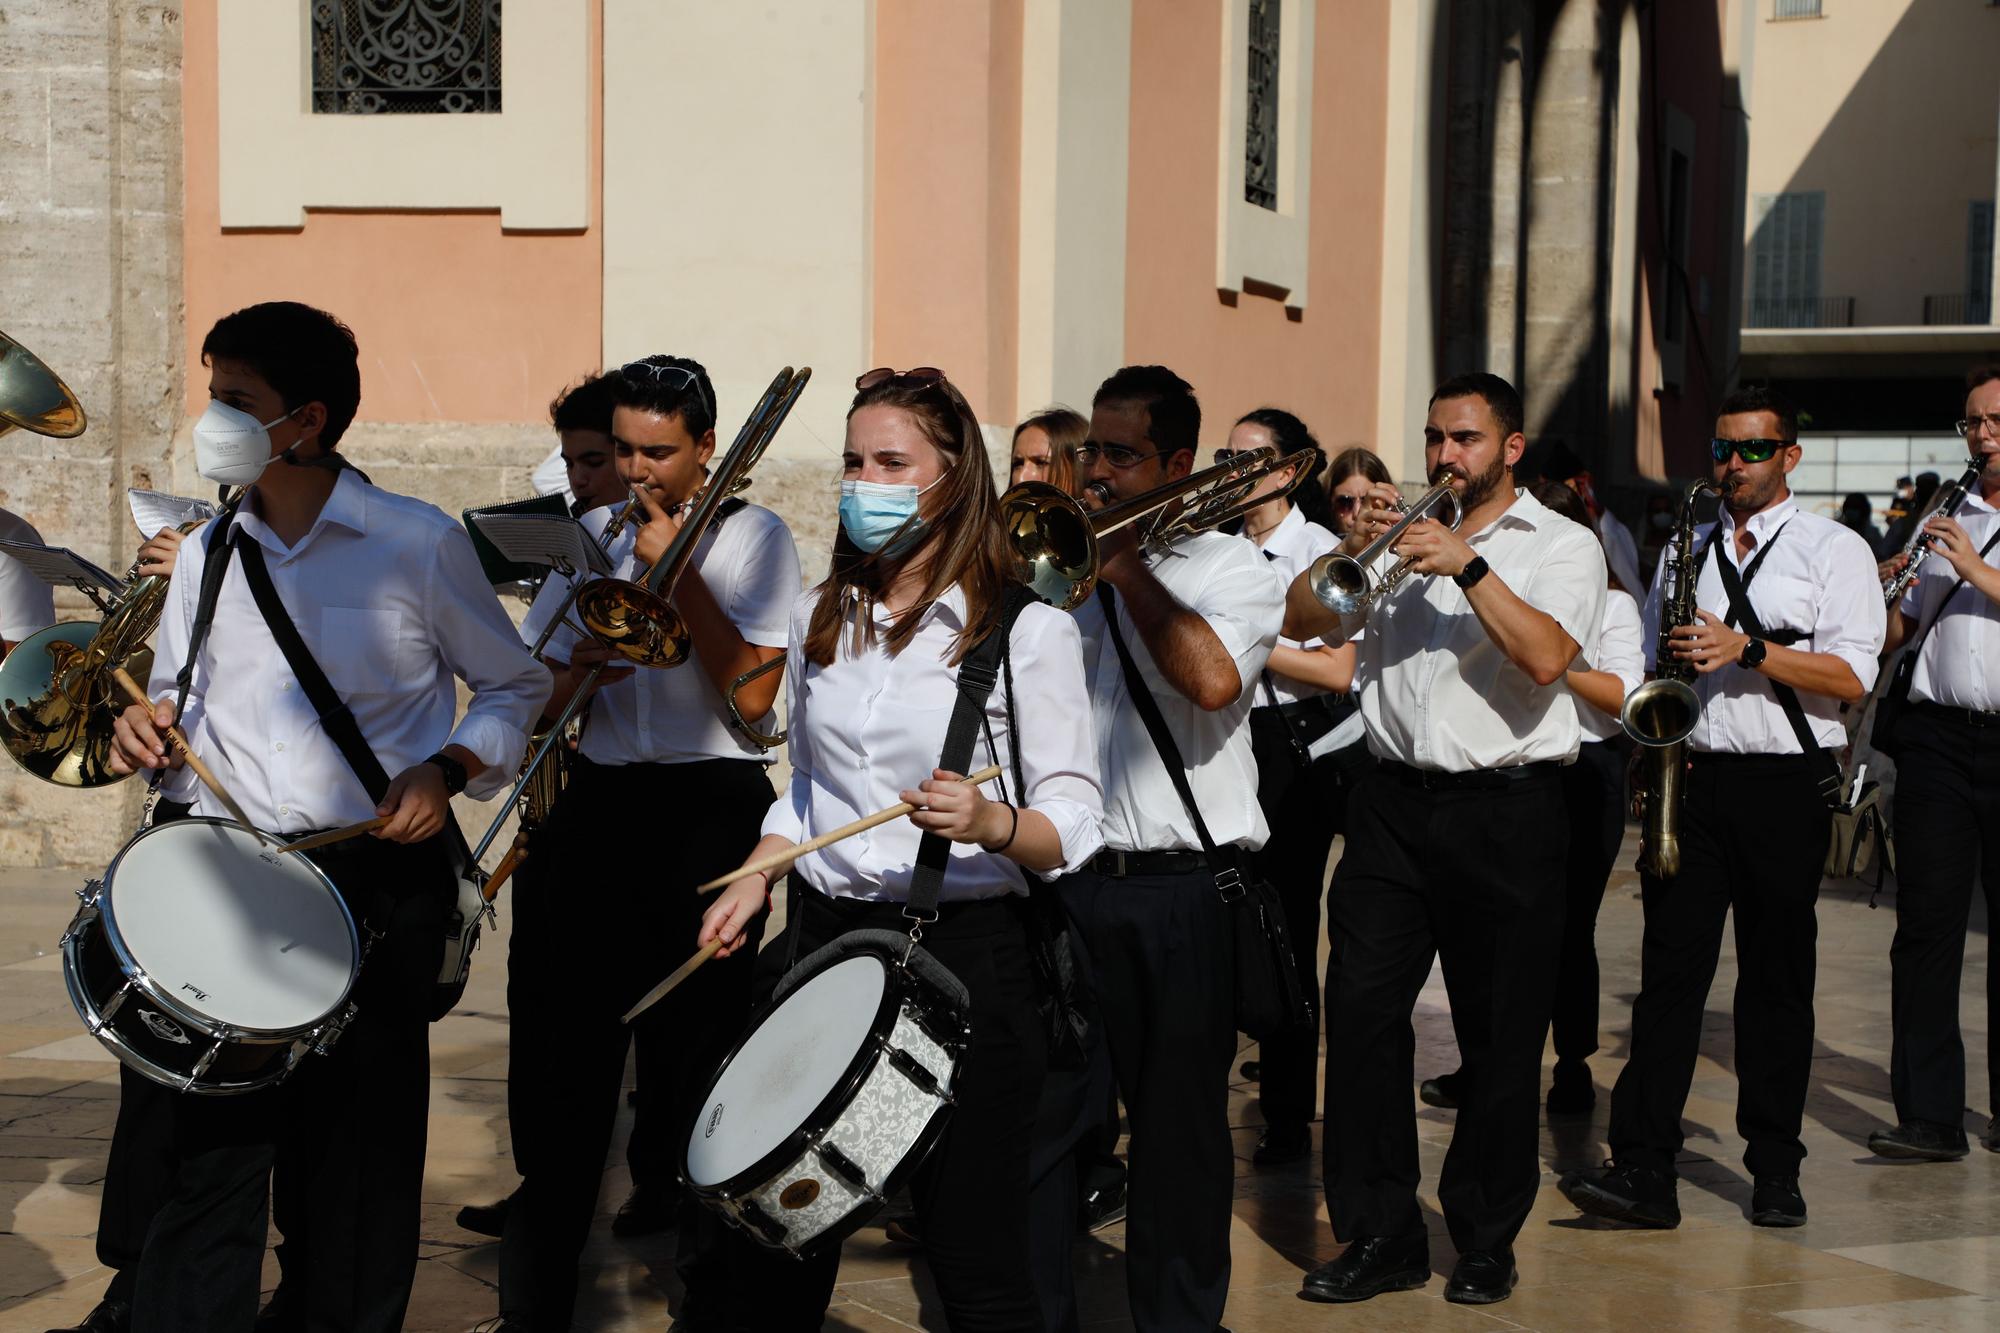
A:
(1895, 699)
(1271, 1000)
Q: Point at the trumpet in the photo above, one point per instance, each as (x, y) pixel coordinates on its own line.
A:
(1054, 538)
(1352, 585)
(1915, 551)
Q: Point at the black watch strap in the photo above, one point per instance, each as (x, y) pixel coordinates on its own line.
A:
(1474, 571)
(454, 772)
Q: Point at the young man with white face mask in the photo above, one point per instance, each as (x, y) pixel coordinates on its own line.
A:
(388, 599)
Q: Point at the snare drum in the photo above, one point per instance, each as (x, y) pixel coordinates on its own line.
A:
(835, 1095)
(209, 962)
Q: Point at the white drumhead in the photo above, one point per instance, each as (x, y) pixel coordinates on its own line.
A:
(229, 927)
(785, 1069)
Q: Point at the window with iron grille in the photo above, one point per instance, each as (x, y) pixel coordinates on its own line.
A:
(1260, 144)
(1796, 9)
(405, 57)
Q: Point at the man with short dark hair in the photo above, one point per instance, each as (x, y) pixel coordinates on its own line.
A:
(1198, 620)
(1455, 851)
(585, 451)
(1787, 625)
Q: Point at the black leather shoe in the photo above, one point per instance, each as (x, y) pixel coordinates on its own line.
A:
(1443, 1091)
(1570, 1092)
(108, 1317)
(1102, 1206)
(1919, 1141)
(1776, 1202)
(1283, 1143)
(1482, 1277)
(1370, 1266)
(1636, 1194)
(485, 1219)
(1990, 1140)
(647, 1211)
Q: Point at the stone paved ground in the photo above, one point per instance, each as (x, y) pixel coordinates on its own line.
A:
(1889, 1247)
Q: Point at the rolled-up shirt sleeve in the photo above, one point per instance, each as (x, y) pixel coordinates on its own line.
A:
(1620, 645)
(481, 647)
(1853, 618)
(1058, 743)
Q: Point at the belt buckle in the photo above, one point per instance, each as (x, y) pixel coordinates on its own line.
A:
(1113, 861)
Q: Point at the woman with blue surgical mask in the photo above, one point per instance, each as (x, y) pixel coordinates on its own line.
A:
(921, 573)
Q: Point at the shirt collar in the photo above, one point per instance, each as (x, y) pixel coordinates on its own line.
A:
(1764, 522)
(1288, 528)
(346, 506)
(951, 604)
(1526, 512)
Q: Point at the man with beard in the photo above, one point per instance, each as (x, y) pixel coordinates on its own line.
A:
(1455, 848)
(1754, 821)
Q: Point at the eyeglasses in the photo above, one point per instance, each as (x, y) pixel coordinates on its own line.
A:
(1343, 504)
(915, 377)
(1970, 426)
(656, 372)
(1750, 451)
(1117, 455)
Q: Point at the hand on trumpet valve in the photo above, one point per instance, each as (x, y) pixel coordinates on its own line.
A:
(733, 910)
(1433, 548)
(953, 808)
(1380, 506)
(1708, 646)
(158, 552)
(662, 525)
(139, 739)
(1950, 540)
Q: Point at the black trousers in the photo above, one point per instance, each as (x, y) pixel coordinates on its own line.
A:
(971, 1192)
(606, 911)
(1594, 790)
(352, 1123)
(1753, 834)
(1473, 878)
(1305, 807)
(1947, 836)
(1161, 949)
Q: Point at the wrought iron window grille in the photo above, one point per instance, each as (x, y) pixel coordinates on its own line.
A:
(1260, 138)
(405, 57)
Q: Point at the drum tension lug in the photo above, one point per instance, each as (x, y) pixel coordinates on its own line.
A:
(913, 1069)
(111, 1006)
(843, 1166)
(91, 888)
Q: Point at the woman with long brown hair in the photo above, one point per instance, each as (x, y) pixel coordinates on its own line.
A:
(1045, 447)
(921, 574)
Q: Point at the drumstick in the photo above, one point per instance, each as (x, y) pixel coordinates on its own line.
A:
(336, 835)
(862, 825)
(680, 974)
(516, 853)
(180, 741)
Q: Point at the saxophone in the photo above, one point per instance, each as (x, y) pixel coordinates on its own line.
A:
(1661, 714)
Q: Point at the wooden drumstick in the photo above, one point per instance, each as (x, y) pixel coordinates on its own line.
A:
(180, 740)
(862, 825)
(517, 852)
(680, 974)
(332, 836)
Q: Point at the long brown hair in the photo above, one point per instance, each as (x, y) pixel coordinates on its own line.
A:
(964, 543)
(1066, 429)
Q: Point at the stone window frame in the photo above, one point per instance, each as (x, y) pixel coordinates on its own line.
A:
(1264, 251)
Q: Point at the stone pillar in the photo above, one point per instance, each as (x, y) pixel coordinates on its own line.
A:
(90, 280)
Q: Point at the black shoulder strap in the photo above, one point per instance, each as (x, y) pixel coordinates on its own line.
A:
(1228, 877)
(218, 544)
(1788, 699)
(978, 672)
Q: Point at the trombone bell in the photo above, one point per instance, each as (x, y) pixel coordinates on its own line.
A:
(633, 621)
(33, 397)
(1051, 537)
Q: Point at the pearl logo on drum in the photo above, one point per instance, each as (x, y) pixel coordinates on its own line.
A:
(163, 1028)
(799, 1193)
(194, 990)
(714, 1119)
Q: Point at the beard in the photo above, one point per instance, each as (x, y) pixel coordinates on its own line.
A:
(1745, 494)
(1475, 490)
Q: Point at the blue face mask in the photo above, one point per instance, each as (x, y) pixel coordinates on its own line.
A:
(873, 512)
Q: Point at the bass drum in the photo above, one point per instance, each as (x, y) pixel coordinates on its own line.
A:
(208, 961)
(841, 1086)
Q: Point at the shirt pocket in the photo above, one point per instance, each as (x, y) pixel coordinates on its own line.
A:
(362, 652)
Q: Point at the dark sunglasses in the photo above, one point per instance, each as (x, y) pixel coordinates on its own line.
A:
(1345, 503)
(915, 377)
(1750, 451)
(633, 370)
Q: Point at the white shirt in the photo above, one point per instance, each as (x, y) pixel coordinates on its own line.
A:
(1290, 548)
(390, 600)
(1620, 551)
(26, 603)
(1819, 579)
(1227, 582)
(1960, 656)
(867, 727)
(675, 715)
(551, 477)
(1619, 650)
(1438, 693)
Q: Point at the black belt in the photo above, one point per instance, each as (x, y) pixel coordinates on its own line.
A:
(1300, 710)
(1120, 865)
(1964, 717)
(1479, 779)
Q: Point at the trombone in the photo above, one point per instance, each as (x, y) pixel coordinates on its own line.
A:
(763, 740)
(634, 618)
(1352, 585)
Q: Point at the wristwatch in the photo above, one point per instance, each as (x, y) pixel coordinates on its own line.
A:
(454, 772)
(1472, 573)
(1752, 656)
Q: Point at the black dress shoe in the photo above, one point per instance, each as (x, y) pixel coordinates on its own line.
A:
(1370, 1266)
(1103, 1205)
(1990, 1140)
(1636, 1194)
(1283, 1143)
(1482, 1277)
(1776, 1202)
(1443, 1091)
(108, 1317)
(1570, 1092)
(647, 1210)
(1919, 1141)
(485, 1219)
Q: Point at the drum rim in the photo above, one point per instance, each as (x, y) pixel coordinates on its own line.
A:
(823, 1114)
(208, 1023)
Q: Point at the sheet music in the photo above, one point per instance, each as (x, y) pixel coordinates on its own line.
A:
(543, 539)
(60, 567)
(154, 510)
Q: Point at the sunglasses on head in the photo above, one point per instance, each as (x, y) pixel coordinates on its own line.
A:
(915, 377)
(1750, 451)
(655, 372)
